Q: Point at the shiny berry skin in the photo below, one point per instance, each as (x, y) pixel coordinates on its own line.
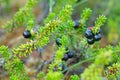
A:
(97, 37)
(90, 41)
(70, 54)
(58, 42)
(65, 58)
(76, 24)
(26, 34)
(89, 34)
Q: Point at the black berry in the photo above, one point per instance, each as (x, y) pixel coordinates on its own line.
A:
(90, 41)
(89, 34)
(76, 23)
(65, 58)
(70, 54)
(26, 34)
(97, 37)
(64, 67)
(58, 42)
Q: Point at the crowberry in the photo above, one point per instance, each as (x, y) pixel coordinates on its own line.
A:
(70, 54)
(89, 34)
(63, 67)
(90, 41)
(58, 42)
(26, 34)
(65, 58)
(97, 37)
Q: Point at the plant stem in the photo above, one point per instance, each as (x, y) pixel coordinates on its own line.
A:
(81, 2)
(50, 5)
(78, 64)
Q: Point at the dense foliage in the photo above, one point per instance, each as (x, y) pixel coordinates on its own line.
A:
(76, 44)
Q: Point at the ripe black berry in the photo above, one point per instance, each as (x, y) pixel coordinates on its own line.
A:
(97, 37)
(76, 23)
(90, 41)
(65, 58)
(26, 34)
(70, 54)
(58, 42)
(89, 34)
(64, 67)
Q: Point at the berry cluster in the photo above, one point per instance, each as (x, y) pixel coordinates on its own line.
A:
(68, 54)
(91, 37)
(26, 34)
